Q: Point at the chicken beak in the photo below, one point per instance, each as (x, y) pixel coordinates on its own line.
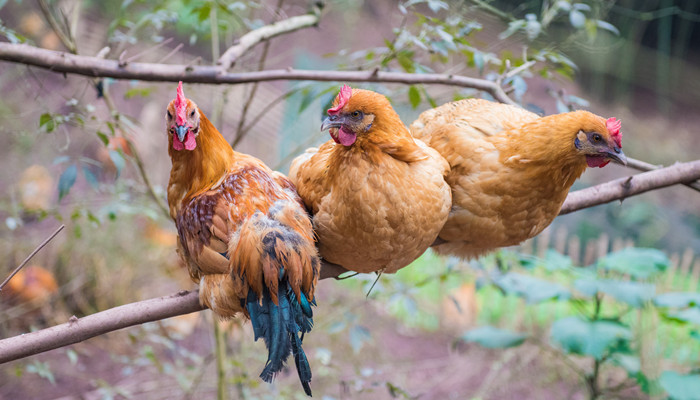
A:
(181, 131)
(334, 121)
(617, 155)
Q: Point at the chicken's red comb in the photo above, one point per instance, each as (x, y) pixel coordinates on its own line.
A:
(180, 106)
(342, 98)
(614, 126)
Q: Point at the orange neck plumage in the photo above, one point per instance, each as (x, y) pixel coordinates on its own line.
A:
(546, 146)
(195, 171)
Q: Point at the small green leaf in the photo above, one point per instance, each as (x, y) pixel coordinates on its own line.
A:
(72, 356)
(591, 338)
(118, 161)
(681, 387)
(43, 370)
(414, 96)
(494, 338)
(577, 19)
(140, 92)
(690, 315)
(640, 263)
(635, 294)
(608, 27)
(47, 122)
(631, 364)
(90, 177)
(479, 61)
(359, 335)
(677, 299)
(308, 96)
(103, 137)
(533, 290)
(66, 181)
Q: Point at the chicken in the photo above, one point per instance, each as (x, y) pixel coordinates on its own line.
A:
(32, 284)
(244, 236)
(510, 169)
(378, 197)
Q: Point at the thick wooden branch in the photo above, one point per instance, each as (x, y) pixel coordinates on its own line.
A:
(79, 329)
(95, 67)
(623, 188)
(267, 32)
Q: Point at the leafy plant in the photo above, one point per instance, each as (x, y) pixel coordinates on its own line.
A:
(600, 325)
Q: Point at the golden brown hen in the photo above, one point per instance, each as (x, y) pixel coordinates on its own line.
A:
(244, 236)
(510, 169)
(378, 197)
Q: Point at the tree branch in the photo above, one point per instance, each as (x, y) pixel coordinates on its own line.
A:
(79, 329)
(622, 188)
(94, 67)
(254, 37)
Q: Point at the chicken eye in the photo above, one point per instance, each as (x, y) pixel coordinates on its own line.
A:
(357, 114)
(597, 138)
(192, 114)
(170, 116)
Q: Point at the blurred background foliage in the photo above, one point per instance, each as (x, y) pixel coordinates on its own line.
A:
(602, 304)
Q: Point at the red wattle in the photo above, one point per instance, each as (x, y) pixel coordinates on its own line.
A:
(190, 142)
(346, 138)
(597, 161)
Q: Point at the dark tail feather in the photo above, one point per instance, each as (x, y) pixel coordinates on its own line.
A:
(280, 326)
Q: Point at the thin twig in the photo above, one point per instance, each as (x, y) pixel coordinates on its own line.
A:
(240, 133)
(65, 37)
(254, 37)
(32, 254)
(148, 50)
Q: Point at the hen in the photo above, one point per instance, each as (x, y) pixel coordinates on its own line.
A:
(510, 169)
(244, 236)
(378, 197)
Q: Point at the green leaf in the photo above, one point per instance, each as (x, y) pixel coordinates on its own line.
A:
(553, 260)
(141, 92)
(359, 335)
(681, 387)
(405, 59)
(577, 19)
(631, 364)
(591, 338)
(640, 263)
(72, 356)
(479, 61)
(608, 27)
(494, 338)
(43, 370)
(533, 290)
(414, 96)
(635, 294)
(90, 177)
(118, 161)
(677, 299)
(66, 181)
(690, 315)
(103, 137)
(47, 122)
(308, 96)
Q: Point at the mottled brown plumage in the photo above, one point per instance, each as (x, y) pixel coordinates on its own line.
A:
(379, 200)
(510, 169)
(243, 234)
